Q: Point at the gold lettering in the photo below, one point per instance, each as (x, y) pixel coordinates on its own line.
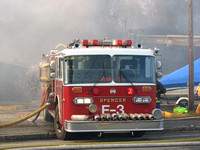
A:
(112, 100)
(124, 99)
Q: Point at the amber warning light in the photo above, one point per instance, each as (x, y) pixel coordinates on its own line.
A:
(77, 90)
(146, 89)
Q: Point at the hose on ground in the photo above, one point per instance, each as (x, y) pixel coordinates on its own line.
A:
(43, 100)
(26, 117)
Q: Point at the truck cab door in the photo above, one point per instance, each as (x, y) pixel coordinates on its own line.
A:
(59, 88)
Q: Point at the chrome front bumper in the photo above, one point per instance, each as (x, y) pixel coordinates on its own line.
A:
(114, 126)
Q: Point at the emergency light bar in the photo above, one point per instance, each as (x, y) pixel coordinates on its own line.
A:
(107, 42)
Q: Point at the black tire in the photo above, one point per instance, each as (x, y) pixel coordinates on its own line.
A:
(59, 129)
(47, 116)
(137, 133)
(183, 103)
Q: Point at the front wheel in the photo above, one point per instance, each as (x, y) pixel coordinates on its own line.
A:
(47, 116)
(59, 129)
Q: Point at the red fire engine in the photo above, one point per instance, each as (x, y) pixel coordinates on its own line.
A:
(101, 86)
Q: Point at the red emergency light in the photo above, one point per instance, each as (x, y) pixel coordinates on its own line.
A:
(96, 91)
(127, 43)
(117, 42)
(94, 42)
(85, 42)
(106, 38)
(130, 91)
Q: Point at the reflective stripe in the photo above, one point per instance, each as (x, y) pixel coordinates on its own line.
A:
(157, 101)
(198, 91)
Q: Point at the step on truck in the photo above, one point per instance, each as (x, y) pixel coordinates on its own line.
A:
(101, 86)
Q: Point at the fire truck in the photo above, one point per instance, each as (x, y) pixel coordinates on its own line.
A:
(101, 86)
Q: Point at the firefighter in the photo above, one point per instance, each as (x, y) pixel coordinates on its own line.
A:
(198, 90)
(198, 93)
(160, 89)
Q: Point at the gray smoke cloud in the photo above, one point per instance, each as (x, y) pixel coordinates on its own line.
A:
(30, 28)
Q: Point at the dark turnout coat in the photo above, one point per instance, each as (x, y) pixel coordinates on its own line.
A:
(160, 89)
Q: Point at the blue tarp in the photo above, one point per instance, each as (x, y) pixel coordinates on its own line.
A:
(180, 77)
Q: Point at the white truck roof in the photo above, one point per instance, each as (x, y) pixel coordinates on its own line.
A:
(107, 51)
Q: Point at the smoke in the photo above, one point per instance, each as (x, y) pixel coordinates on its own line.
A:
(30, 28)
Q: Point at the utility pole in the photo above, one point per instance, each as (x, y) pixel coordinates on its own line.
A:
(190, 57)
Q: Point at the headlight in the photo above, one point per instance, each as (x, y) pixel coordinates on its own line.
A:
(138, 100)
(83, 100)
(79, 101)
(141, 100)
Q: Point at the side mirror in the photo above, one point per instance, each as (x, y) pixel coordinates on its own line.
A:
(156, 50)
(52, 75)
(158, 64)
(53, 65)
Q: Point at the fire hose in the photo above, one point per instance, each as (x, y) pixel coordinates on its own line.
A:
(42, 103)
(26, 117)
(42, 107)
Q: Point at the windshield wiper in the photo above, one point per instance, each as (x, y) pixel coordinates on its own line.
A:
(127, 79)
(103, 75)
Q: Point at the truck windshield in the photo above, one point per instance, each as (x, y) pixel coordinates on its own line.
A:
(88, 69)
(136, 69)
(104, 69)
